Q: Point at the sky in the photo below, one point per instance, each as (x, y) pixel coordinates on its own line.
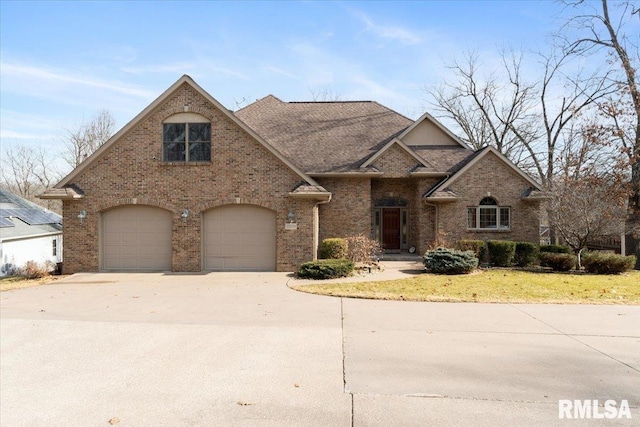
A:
(62, 62)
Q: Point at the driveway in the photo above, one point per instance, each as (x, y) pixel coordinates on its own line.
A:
(242, 349)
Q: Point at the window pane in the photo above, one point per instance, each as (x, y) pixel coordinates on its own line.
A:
(174, 152)
(173, 132)
(488, 201)
(488, 218)
(199, 151)
(199, 132)
(471, 218)
(504, 217)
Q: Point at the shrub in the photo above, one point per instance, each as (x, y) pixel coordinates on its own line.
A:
(526, 254)
(601, 263)
(326, 269)
(33, 270)
(558, 261)
(450, 261)
(478, 247)
(334, 248)
(501, 252)
(362, 249)
(556, 249)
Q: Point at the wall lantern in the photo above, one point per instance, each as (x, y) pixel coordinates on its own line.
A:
(82, 215)
(185, 215)
(290, 216)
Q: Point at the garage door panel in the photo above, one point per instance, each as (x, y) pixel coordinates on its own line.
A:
(136, 238)
(240, 237)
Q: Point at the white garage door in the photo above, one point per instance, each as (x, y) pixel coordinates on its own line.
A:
(136, 238)
(239, 238)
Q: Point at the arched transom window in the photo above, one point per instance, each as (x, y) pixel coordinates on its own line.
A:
(186, 137)
(488, 215)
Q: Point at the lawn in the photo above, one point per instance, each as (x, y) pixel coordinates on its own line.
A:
(17, 282)
(495, 285)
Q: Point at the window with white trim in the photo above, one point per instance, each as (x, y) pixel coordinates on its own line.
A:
(488, 216)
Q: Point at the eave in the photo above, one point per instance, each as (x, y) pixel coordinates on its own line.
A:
(66, 193)
(344, 174)
(321, 197)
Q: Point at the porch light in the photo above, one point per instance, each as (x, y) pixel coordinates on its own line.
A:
(82, 215)
(185, 215)
(290, 216)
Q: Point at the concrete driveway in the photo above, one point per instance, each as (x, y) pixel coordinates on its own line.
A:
(235, 349)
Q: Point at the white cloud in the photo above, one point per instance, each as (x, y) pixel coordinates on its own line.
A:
(11, 134)
(25, 73)
(178, 68)
(400, 34)
(279, 71)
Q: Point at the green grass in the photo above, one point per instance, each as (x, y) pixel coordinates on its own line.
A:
(498, 286)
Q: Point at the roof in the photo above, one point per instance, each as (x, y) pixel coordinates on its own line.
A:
(20, 218)
(185, 79)
(322, 137)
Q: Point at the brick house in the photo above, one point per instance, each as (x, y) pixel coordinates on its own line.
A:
(188, 185)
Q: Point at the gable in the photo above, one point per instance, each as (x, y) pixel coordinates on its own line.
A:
(427, 133)
(395, 162)
(183, 99)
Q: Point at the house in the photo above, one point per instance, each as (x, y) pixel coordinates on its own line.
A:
(28, 232)
(189, 185)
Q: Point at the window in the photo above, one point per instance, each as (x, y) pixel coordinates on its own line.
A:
(54, 247)
(488, 216)
(186, 142)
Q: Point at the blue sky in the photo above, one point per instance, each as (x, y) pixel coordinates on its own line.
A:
(61, 62)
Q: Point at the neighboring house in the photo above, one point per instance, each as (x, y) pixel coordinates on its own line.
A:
(28, 232)
(188, 185)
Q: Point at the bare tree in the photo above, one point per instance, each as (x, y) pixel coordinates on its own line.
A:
(82, 142)
(497, 109)
(600, 28)
(27, 172)
(591, 188)
(324, 94)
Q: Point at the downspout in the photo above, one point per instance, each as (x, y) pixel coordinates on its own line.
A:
(316, 226)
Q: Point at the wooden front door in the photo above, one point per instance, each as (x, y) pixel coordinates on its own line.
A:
(391, 228)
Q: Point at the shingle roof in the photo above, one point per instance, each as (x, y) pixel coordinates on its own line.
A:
(324, 136)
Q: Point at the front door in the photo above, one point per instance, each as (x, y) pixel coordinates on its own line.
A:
(391, 229)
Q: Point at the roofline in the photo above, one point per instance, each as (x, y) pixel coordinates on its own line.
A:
(30, 236)
(438, 124)
(441, 199)
(323, 197)
(354, 174)
(184, 79)
(430, 174)
(479, 155)
(388, 146)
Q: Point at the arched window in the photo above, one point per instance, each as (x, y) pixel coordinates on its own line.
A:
(186, 137)
(488, 215)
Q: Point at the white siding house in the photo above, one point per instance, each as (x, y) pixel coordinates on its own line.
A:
(28, 232)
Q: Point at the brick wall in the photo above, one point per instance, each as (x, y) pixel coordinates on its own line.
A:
(490, 176)
(349, 212)
(395, 162)
(132, 168)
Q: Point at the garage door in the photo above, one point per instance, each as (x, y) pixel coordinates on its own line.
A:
(240, 238)
(136, 238)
